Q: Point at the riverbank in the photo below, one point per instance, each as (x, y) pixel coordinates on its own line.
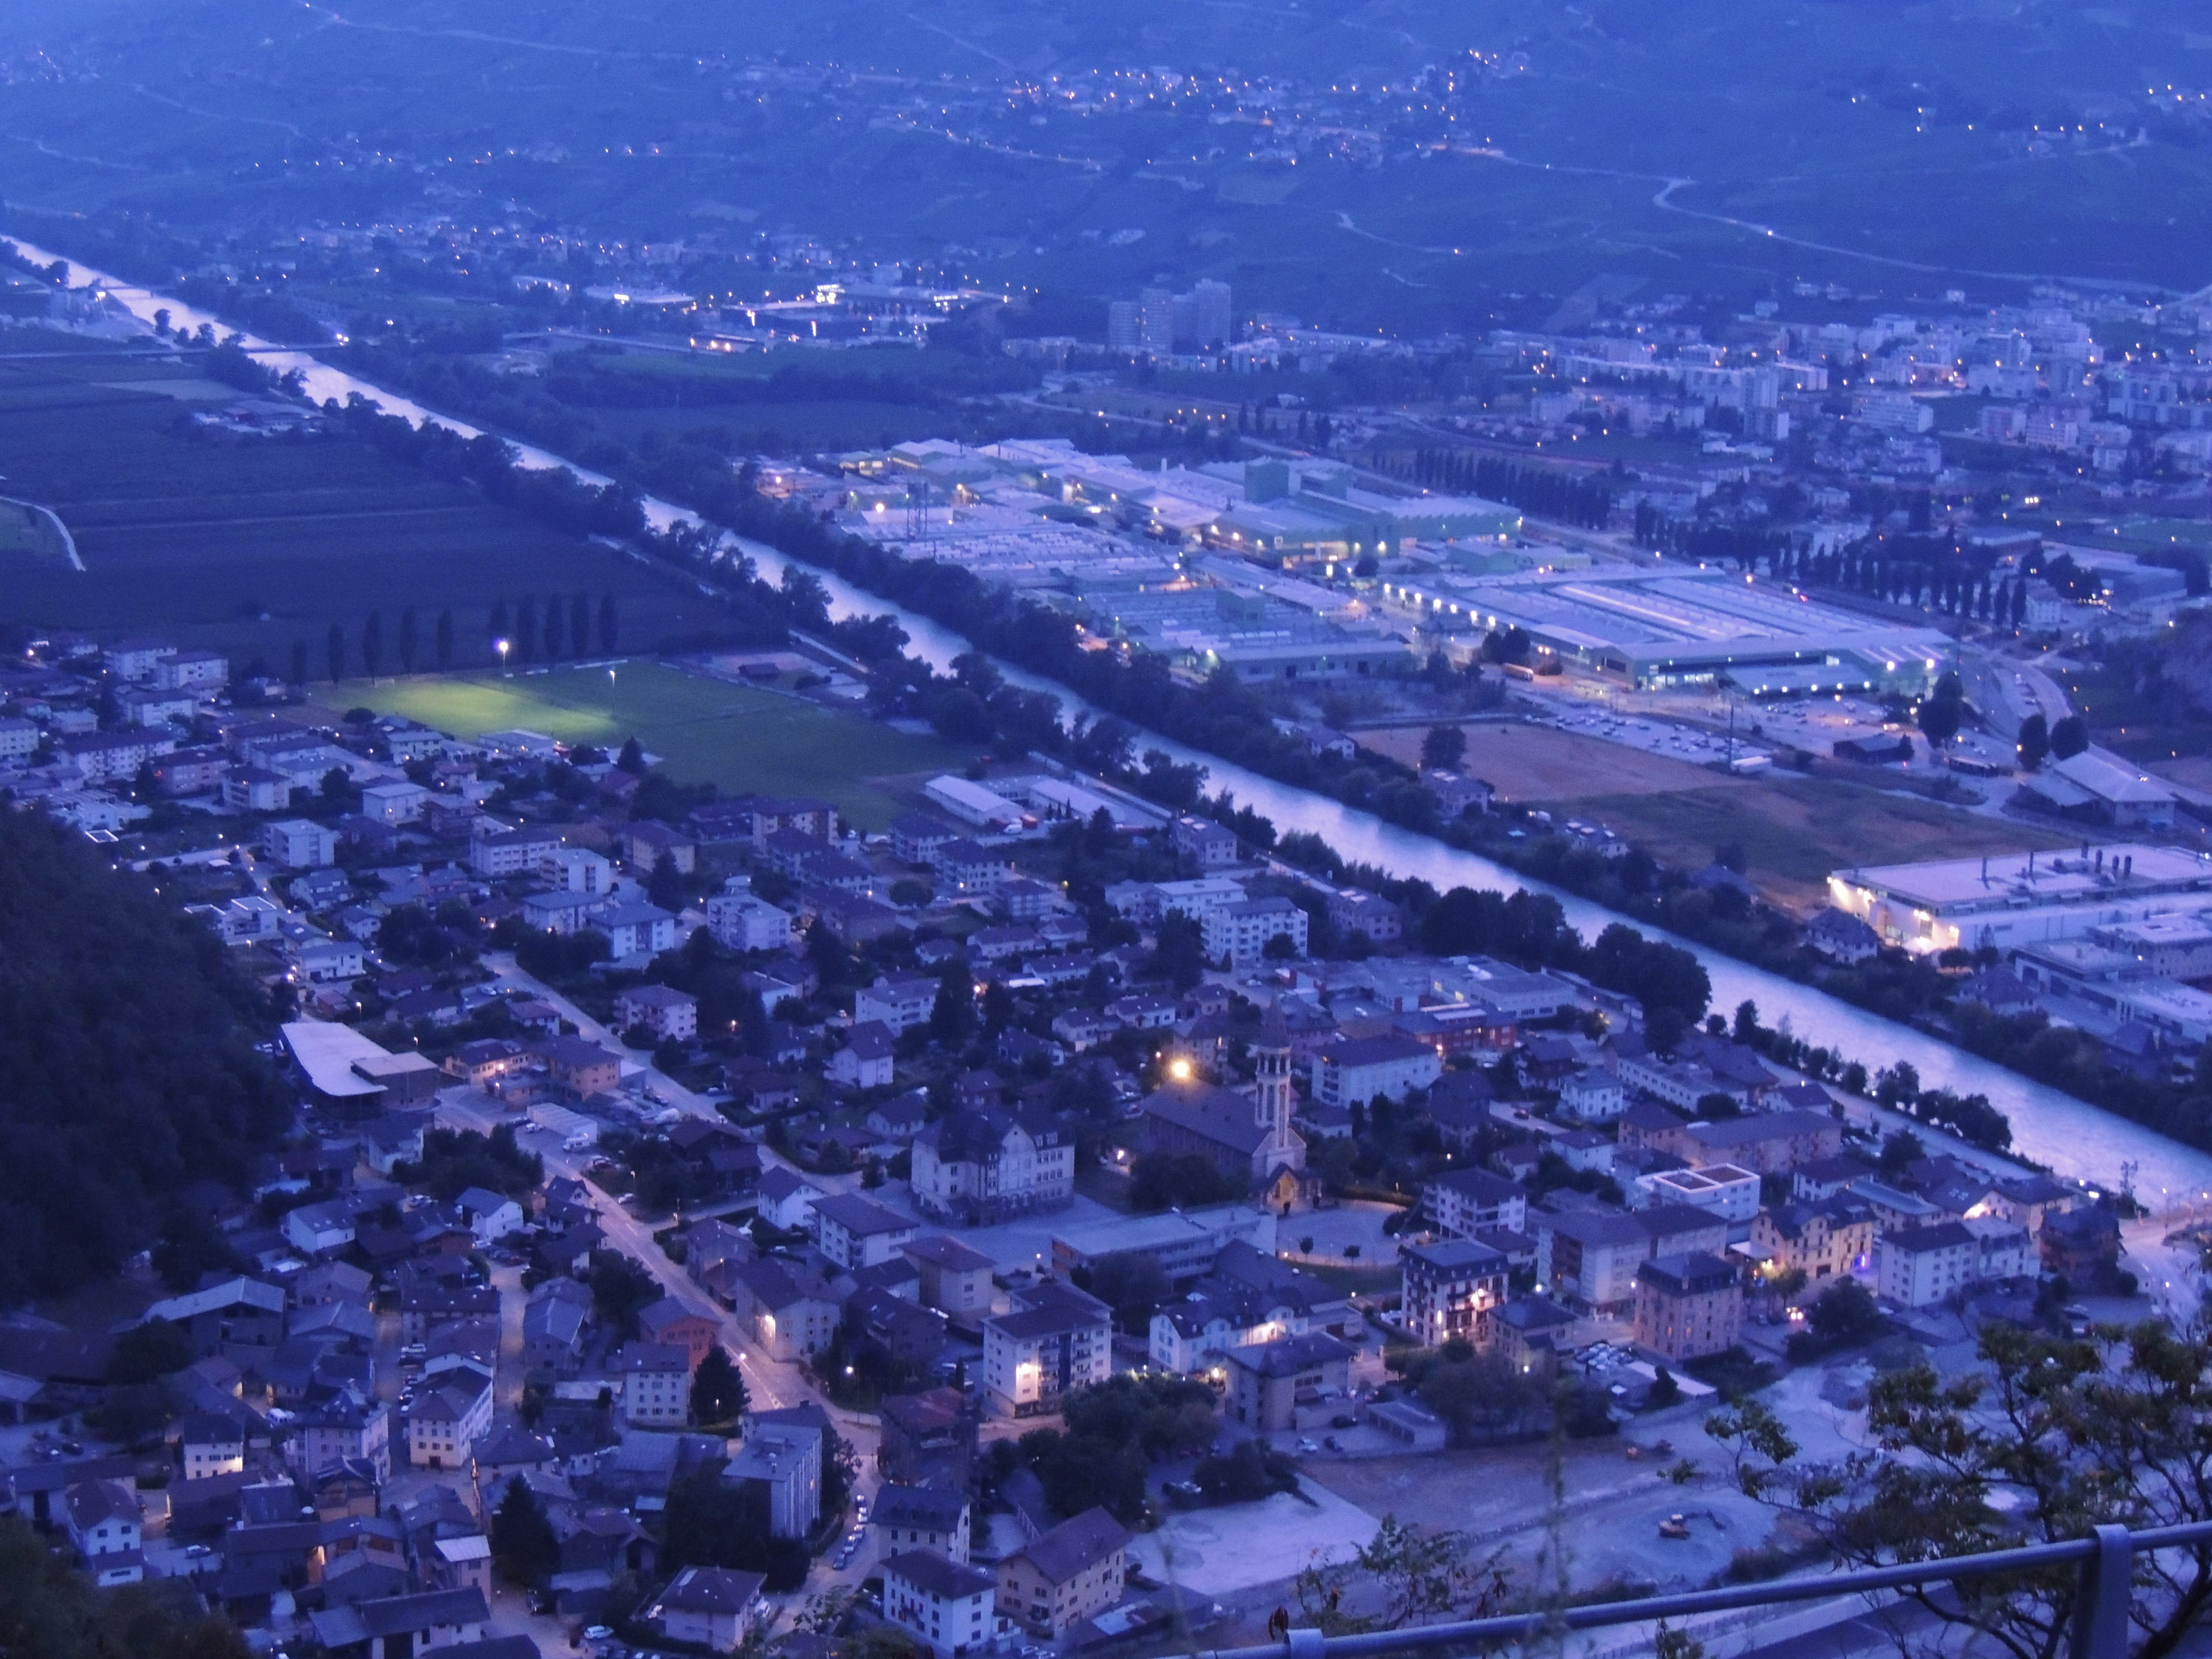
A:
(2069, 1135)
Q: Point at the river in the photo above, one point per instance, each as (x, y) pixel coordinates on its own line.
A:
(2071, 1136)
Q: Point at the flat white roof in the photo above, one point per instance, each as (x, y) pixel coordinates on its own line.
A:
(2058, 877)
(327, 1052)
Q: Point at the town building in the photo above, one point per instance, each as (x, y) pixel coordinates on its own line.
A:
(947, 1606)
(782, 1461)
(1354, 1071)
(1270, 1381)
(2007, 900)
(1688, 1306)
(1056, 1339)
(1249, 1139)
(921, 1518)
(1239, 934)
(1066, 1575)
(1451, 1289)
(981, 1167)
(854, 1232)
(653, 1384)
(671, 1016)
(1921, 1266)
(713, 1606)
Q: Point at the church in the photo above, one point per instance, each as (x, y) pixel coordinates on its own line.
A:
(1246, 1134)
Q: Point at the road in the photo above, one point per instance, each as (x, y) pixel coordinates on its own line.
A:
(2007, 691)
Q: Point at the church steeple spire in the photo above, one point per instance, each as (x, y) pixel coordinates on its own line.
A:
(1271, 1061)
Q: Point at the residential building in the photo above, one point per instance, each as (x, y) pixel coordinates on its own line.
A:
(634, 929)
(788, 1198)
(1688, 1306)
(1921, 1266)
(867, 1059)
(448, 1417)
(955, 1279)
(1354, 1071)
(104, 1522)
(1594, 1094)
(981, 1167)
(646, 842)
(1240, 934)
(669, 1015)
(947, 1606)
(1819, 1238)
(921, 1518)
(653, 1384)
(1056, 1339)
(577, 869)
(1270, 1381)
(783, 1461)
(791, 1311)
(1451, 1289)
(745, 921)
(299, 843)
(580, 1068)
(713, 1607)
(1730, 1193)
(1466, 1202)
(1589, 1258)
(403, 1626)
(668, 1323)
(855, 1232)
(898, 1004)
(497, 852)
(1208, 844)
(1060, 1577)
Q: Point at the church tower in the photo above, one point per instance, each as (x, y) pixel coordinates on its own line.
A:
(1271, 1059)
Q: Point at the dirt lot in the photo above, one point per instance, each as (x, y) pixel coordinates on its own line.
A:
(1535, 763)
(1796, 831)
(1501, 1497)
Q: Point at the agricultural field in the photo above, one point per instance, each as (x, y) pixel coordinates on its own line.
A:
(1795, 831)
(1538, 763)
(741, 739)
(251, 546)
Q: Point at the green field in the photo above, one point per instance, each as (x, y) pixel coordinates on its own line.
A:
(741, 740)
(248, 547)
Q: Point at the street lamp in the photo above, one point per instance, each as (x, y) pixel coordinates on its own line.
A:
(500, 646)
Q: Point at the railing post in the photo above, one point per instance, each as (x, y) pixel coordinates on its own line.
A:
(2100, 1612)
(1305, 1643)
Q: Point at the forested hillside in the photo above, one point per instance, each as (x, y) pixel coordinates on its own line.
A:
(127, 1069)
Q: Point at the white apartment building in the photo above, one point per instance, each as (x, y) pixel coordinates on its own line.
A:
(746, 921)
(1731, 1193)
(298, 844)
(1469, 1201)
(898, 1003)
(446, 1421)
(1920, 1266)
(1354, 1071)
(653, 1380)
(577, 869)
(1241, 932)
(949, 1608)
(1033, 1357)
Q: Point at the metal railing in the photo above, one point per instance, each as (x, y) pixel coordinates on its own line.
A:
(2106, 1560)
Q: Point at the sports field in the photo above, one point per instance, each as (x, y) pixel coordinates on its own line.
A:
(741, 740)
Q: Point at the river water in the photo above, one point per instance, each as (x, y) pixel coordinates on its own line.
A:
(2053, 1128)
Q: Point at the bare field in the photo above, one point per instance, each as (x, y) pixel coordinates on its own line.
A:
(1536, 763)
(1795, 831)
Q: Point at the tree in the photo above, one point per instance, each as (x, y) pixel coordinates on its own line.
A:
(525, 630)
(334, 653)
(1443, 748)
(554, 631)
(2070, 737)
(631, 759)
(299, 662)
(442, 644)
(372, 644)
(1900, 1150)
(524, 1545)
(190, 1247)
(952, 1016)
(2033, 743)
(620, 1289)
(1421, 1576)
(579, 623)
(1133, 1284)
(409, 640)
(1943, 712)
(664, 886)
(2050, 1436)
(607, 622)
(154, 1349)
(718, 1392)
